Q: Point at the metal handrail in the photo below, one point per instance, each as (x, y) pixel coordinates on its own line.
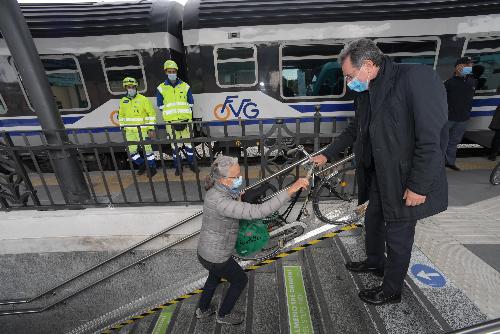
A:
(488, 327)
(61, 300)
(50, 290)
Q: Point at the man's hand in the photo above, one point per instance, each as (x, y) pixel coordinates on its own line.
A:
(413, 199)
(319, 160)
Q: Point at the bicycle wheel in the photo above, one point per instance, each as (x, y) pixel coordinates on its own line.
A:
(334, 198)
(495, 175)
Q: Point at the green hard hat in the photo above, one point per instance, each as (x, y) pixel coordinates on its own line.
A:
(170, 64)
(129, 81)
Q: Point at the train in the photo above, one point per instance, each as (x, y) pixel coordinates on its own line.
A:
(244, 60)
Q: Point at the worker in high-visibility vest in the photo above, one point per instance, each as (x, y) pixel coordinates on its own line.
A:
(175, 100)
(136, 109)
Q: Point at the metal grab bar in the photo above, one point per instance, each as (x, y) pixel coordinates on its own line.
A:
(151, 237)
(488, 327)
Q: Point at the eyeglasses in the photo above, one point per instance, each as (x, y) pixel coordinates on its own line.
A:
(233, 177)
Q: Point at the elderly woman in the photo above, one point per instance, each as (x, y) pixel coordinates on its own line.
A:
(221, 214)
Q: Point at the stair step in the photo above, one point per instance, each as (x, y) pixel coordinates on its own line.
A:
(145, 326)
(266, 308)
(297, 259)
(336, 291)
(409, 316)
(185, 319)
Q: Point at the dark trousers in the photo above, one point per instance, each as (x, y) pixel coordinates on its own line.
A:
(396, 237)
(495, 144)
(233, 273)
(456, 130)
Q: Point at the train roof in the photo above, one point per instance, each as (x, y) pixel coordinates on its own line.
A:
(199, 14)
(53, 20)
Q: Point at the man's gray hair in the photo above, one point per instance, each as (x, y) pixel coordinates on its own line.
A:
(360, 50)
(219, 169)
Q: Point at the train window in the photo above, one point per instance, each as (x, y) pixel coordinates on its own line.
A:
(66, 81)
(485, 52)
(236, 66)
(3, 106)
(312, 70)
(118, 66)
(411, 51)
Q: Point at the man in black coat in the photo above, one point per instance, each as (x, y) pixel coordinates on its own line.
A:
(460, 90)
(399, 138)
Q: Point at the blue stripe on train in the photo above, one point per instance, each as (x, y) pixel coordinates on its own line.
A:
(34, 121)
(493, 102)
(325, 107)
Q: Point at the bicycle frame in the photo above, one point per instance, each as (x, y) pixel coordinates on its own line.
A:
(310, 174)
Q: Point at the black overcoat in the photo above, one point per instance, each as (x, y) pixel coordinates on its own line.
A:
(407, 136)
(495, 121)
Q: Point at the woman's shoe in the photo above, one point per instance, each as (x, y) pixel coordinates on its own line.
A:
(205, 314)
(234, 318)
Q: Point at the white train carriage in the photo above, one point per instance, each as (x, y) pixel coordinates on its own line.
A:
(252, 59)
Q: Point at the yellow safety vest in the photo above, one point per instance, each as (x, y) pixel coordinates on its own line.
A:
(175, 106)
(136, 111)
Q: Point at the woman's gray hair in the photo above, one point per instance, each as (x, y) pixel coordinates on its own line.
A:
(219, 169)
(360, 50)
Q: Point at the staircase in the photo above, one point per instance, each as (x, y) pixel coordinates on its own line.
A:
(333, 304)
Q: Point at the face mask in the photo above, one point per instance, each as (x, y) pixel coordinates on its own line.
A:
(131, 92)
(172, 77)
(467, 70)
(237, 183)
(357, 86)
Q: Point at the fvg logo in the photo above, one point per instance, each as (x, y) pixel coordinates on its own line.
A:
(248, 108)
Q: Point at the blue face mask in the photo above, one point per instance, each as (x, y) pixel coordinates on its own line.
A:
(172, 77)
(237, 183)
(466, 70)
(357, 85)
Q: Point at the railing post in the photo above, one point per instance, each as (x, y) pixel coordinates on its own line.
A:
(18, 38)
(317, 126)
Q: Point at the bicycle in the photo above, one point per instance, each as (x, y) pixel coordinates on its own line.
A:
(332, 197)
(495, 175)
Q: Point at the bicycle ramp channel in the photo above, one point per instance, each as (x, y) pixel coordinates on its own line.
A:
(304, 289)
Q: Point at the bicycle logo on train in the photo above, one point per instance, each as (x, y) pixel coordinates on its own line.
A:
(247, 107)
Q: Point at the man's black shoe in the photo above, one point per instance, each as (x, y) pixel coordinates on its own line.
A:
(363, 267)
(378, 297)
(369, 290)
(454, 167)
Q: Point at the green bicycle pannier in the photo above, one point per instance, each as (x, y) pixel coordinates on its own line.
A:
(252, 237)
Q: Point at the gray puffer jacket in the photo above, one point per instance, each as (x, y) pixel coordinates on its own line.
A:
(220, 224)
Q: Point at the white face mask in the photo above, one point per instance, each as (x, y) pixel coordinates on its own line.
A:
(131, 92)
(172, 77)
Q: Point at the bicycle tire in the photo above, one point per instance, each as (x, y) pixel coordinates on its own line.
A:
(495, 175)
(339, 201)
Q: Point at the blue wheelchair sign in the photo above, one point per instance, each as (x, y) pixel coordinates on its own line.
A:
(428, 275)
